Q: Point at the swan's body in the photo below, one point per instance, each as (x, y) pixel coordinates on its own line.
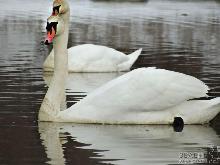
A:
(89, 57)
(142, 96)
(145, 96)
(94, 58)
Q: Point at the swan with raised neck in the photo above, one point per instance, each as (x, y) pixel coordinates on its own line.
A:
(52, 101)
(142, 96)
(90, 57)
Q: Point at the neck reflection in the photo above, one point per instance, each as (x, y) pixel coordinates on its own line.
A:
(97, 144)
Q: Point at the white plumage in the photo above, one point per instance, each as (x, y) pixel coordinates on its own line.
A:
(145, 96)
(142, 96)
(95, 58)
(90, 57)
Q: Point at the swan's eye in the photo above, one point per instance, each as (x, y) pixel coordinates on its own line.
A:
(50, 26)
(56, 10)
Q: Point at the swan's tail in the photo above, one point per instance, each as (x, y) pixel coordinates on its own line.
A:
(204, 111)
(125, 66)
(215, 108)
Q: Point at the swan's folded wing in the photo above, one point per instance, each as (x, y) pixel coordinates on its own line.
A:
(94, 58)
(144, 89)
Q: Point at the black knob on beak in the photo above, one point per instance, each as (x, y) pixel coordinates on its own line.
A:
(178, 124)
(46, 42)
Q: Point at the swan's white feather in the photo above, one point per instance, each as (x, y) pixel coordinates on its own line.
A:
(95, 58)
(144, 96)
(146, 89)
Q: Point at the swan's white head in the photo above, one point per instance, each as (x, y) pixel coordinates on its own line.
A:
(60, 7)
(55, 27)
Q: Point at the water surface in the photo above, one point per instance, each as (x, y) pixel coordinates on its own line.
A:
(178, 35)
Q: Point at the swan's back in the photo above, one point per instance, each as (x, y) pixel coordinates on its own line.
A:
(93, 58)
(144, 89)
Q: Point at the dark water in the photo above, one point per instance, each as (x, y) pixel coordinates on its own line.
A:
(174, 34)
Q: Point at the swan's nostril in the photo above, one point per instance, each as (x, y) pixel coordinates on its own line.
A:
(46, 42)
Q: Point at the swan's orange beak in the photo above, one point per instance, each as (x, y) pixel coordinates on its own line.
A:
(50, 36)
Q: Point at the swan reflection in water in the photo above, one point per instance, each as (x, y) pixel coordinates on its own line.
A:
(84, 82)
(123, 144)
(118, 144)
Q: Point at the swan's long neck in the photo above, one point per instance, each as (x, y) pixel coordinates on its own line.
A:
(66, 15)
(51, 104)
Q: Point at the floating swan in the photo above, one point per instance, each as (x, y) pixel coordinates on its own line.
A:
(142, 96)
(89, 57)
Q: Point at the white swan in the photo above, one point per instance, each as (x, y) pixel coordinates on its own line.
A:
(142, 96)
(89, 57)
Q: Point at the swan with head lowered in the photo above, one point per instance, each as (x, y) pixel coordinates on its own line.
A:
(142, 96)
(89, 57)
